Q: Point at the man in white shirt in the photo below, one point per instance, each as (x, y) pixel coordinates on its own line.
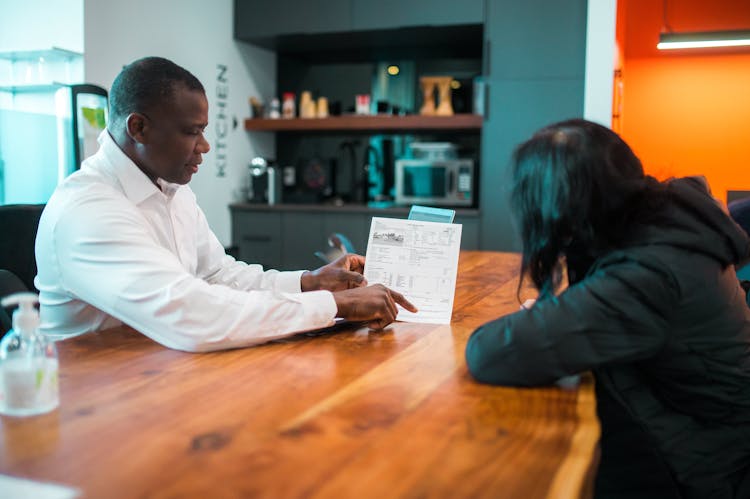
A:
(123, 240)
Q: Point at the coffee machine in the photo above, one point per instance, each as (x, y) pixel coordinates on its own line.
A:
(264, 184)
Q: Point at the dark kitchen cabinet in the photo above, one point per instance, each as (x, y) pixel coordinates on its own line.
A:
(287, 24)
(258, 237)
(388, 14)
(302, 236)
(258, 19)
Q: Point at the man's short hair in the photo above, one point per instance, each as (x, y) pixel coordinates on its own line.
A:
(145, 83)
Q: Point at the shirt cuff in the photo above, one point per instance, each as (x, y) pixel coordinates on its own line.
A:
(320, 306)
(289, 282)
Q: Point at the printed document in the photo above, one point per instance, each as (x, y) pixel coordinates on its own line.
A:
(419, 260)
(22, 488)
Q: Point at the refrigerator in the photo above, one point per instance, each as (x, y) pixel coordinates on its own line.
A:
(81, 112)
(46, 131)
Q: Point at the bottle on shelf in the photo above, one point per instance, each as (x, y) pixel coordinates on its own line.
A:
(274, 109)
(288, 106)
(322, 108)
(362, 104)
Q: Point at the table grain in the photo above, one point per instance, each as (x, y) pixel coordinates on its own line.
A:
(352, 413)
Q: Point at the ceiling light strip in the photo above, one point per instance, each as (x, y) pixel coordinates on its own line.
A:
(706, 39)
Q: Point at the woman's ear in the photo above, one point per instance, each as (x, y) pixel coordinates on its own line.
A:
(136, 126)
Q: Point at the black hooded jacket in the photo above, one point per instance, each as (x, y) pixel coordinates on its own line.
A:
(664, 325)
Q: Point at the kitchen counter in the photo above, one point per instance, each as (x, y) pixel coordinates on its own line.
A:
(386, 211)
(286, 236)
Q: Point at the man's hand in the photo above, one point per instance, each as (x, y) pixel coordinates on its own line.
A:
(343, 273)
(374, 304)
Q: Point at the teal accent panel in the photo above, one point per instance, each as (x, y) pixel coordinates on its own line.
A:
(536, 38)
(534, 70)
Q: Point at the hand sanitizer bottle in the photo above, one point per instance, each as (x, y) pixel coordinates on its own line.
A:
(28, 363)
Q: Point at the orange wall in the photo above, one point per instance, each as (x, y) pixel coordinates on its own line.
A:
(686, 112)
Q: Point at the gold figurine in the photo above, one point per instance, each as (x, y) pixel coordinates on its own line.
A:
(444, 106)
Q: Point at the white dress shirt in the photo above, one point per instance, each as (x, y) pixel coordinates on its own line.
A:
(113, 248)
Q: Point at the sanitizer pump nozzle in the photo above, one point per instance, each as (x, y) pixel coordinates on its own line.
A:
(28, 363)
(25, 317)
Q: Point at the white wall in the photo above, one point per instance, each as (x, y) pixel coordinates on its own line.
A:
(198, 35)
(41, 24)
(600, 60)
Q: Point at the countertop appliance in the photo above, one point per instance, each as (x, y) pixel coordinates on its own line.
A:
(433, 150)
(446, 182)
(264, 184)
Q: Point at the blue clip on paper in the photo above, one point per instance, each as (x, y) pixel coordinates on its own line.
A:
(429, 214)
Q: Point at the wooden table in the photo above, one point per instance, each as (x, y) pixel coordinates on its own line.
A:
(355, 413)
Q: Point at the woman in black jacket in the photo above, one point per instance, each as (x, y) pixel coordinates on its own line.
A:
(653, 308)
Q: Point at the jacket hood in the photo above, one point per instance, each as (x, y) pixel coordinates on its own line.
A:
(696, 222)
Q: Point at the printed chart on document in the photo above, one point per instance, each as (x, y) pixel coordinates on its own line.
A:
(418, 259)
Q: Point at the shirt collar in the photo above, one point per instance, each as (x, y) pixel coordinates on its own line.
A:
(135, 184)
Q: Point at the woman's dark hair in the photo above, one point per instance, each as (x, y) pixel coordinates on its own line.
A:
(576, 188)
(145, 83)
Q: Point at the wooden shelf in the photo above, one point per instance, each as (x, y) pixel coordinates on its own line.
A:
(374, 123)
(53, 54)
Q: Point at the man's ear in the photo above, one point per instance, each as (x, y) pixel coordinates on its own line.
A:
(136, 126)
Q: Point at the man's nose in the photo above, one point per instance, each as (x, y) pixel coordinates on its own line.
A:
(203, 146)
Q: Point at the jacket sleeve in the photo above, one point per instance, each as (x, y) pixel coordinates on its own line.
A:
(746, 286)
(618, 313)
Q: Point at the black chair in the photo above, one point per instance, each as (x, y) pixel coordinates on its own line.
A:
(739, 210)
(9, 284)
(18, 226)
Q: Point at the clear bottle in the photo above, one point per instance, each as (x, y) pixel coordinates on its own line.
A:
(274, 111)
(28, 363)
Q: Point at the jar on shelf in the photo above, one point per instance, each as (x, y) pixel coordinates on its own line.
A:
(306, 105)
